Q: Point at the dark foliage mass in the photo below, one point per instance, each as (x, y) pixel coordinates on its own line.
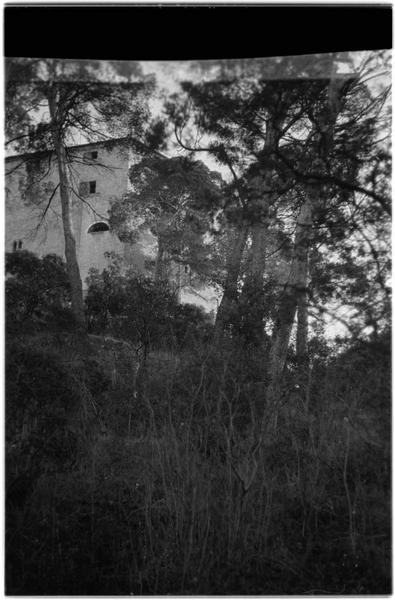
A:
(147, 314)
(165, 490)
(37, 291)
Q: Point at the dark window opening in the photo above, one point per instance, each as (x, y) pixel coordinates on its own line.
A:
(17, 245)
(90, 155)
(87, 187)
(186, 269)
(97, 227)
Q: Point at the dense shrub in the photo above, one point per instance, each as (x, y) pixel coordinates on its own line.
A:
(129, 479)
(39, 402)
(37, 292)
(189, 323)
(177, 495)
(145, 312)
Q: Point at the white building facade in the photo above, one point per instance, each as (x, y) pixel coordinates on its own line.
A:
(99, 176)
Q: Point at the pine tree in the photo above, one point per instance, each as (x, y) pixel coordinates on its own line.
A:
(77, 101)
(175, 199)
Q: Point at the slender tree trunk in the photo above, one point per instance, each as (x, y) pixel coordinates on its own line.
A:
(257, 264)
(261, 188)
(302, 338)
(302, 296)
(178, 278)
(252, 296)
(294, 296)
(158, 275)
(294, 291)
(302, 328)
(228, 305)
(73, 270)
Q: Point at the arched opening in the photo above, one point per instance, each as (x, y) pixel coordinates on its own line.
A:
(98, 227)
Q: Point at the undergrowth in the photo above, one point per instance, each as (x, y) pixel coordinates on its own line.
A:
(161, 484)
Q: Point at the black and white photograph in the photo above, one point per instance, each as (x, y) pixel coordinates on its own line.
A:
(197, 328)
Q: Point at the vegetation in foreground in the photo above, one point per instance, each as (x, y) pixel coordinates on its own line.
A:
(132, 475)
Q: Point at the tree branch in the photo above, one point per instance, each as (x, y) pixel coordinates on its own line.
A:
(337, 181)
(47, 208)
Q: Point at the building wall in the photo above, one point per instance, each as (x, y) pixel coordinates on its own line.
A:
(31, 220)
(29, 185)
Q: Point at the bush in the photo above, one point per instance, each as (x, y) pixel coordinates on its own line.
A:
(190, 323)
(174, 491)
(40, 401)
(184, 501)
(37, 292)
(138, 309)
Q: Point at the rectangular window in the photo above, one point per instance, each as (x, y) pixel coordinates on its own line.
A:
(93, 155)
(14, 246)
(87, 187)
(20, 244)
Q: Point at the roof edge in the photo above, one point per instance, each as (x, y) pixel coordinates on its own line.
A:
(87, 145)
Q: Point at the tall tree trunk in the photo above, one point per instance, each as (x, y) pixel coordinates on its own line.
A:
(228, 305)
(252, 296)
(293, 293)
(262, 195)
(158, 275)
(257, 264)
(73, 270)
(302, 337)
(302, 328)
